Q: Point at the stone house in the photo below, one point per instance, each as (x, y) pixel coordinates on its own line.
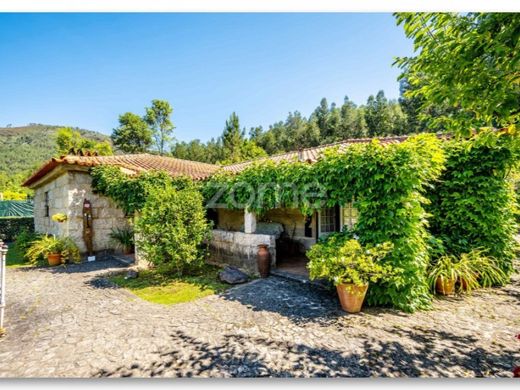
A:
(62, 184)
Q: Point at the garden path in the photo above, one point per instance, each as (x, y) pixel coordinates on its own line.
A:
(72, 323)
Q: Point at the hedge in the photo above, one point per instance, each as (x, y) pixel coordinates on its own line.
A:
(10, 227)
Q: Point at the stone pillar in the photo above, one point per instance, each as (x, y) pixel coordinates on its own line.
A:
(249, 222)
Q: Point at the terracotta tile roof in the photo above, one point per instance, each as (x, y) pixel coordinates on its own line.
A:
(314, 153)
(132, 163)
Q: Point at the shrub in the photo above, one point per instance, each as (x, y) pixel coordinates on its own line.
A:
(171, 228)
(10, 227)
(345, 261)
(24, 241)
(46, 244)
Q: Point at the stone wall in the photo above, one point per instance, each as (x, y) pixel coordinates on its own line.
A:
(66, 195)
(239, 249)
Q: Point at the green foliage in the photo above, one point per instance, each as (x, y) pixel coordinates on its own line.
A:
(47, 244)
(11, 227)
(451, 268)
(473, 270)
(347, 261)
(388, 184)
(171, 227)
(70, 141)
(133, 134)
(158, 118)
(123, 237)
(130, 192)
(235, 147)
(24, 240)
(465, 61)
(327, 124)
(473, 205)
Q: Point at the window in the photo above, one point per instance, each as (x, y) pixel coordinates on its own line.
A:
(349, 215)
(327, 224)
(46, 203)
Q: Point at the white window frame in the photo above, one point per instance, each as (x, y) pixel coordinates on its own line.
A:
(324, 234)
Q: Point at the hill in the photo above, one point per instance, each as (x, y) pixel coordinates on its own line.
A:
(23, 149)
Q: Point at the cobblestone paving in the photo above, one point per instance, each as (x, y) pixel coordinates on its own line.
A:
(70, 323)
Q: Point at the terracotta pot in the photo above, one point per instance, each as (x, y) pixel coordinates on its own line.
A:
(263, 259)
(54, 259)
(445, 286)
(351, 296)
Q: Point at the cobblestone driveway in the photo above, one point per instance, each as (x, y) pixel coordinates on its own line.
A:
(70, 323)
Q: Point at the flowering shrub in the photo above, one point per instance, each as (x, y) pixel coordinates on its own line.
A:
(343, 261)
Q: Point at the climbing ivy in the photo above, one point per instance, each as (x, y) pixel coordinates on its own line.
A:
(473, 205)
(388, 184)
(131, 192)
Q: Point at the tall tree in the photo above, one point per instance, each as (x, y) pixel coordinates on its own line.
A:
(232, 138)
(133, 134)
(469, 61)
(158, 118)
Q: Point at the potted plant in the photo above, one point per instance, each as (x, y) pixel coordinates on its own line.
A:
(124, 239)
(448, 269)
(56, 250)
(350, 266)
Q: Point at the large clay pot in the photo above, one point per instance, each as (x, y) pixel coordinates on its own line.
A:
(54, 259)
(445, 286)
(263, 259)
(351, 296)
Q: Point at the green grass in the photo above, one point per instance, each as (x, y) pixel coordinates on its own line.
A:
(15, 258)
(168, 290)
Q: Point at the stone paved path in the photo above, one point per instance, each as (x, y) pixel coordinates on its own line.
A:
(69, 323)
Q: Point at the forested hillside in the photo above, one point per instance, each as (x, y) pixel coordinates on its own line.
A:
(23, 149)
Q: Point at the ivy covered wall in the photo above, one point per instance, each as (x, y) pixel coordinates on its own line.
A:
(474, 201)
(388, 184)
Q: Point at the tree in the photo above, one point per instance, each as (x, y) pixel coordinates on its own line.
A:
(467, 61)
(158, 118)
(232, 138)
(69, 141)
(133, 134)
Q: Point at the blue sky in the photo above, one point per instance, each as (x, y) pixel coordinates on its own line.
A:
(85, 69)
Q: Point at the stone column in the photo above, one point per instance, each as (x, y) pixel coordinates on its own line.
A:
(249, 222)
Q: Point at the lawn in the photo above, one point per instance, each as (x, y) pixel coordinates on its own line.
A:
(168, 289)
(14, 257)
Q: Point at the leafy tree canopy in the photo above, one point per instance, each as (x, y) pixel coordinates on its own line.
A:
(69, 141)
(158, 118)
(467, 62)
(133, 134)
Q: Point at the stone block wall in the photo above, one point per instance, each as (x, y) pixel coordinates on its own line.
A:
(57, 190)
(239, 249)
(66, 195)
